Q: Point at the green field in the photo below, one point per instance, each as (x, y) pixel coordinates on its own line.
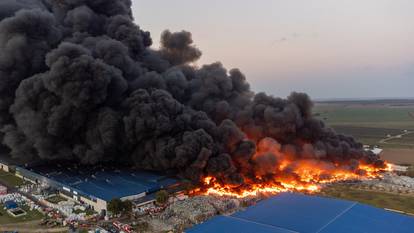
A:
(5, 218)
(374, 198)
(375, 117)
(405, 140)
(366, 135)
(9, 179)
(369, 124)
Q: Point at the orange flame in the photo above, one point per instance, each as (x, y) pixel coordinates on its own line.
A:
(309, 178)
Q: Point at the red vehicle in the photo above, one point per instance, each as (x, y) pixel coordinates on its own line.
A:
(127, 228)
(117, 225)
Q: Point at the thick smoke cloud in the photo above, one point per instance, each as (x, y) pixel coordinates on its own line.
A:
(80, 83)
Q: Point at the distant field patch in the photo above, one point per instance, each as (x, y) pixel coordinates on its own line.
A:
(374, 198)
(406, 140)
(366, 135)
(374, 117)
(371, 122)
(398, 156)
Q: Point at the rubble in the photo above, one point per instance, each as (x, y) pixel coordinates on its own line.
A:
(193, 210)
(392, 182)
(182, 214)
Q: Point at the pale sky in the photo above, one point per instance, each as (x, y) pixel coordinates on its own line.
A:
(326, 48)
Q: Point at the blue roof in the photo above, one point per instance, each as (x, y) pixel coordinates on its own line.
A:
(226, 224)
(10, 205)
(104, 184)
(310, 214)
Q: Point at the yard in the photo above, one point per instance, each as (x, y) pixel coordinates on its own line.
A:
(10, 180)
(31, 215)
(56, 199)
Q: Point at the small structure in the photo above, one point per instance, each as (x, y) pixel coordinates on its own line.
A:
(376, 150)
(10, 205)
(17, 212)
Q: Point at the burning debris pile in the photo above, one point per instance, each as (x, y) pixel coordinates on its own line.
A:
(79, 82)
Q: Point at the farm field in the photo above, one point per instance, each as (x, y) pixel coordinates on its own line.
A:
(371, 121)
(388, 124)
(398, 156)
(374, 117)
(407, 140)
(378, 199)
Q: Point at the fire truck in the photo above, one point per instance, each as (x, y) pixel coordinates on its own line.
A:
(123, 227)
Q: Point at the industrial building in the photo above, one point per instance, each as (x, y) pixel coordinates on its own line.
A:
(96, 187)
(296, 213)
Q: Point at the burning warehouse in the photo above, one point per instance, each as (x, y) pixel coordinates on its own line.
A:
(96, 187)
(79, 82)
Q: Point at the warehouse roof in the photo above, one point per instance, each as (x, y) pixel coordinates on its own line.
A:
(309, 214)
(104, 184)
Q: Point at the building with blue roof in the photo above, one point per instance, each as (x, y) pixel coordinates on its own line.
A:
(97, 186)
(297, 213)
(9, 205)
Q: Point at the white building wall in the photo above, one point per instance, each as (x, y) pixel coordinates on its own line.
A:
(133, 197)
(4, 167)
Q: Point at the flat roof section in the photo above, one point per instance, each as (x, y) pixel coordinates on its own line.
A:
(105, 184)
(310, 214)
(287, 209)
(227, 224)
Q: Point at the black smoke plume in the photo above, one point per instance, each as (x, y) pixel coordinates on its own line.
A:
(80, 83)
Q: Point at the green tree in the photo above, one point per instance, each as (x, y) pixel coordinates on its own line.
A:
(161, 197)
(115, 206)
(127, 206)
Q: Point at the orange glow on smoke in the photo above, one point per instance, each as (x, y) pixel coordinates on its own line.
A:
(309, 175)
(278, 169)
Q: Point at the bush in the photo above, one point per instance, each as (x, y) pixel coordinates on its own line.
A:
(161, 197)
(116, 206)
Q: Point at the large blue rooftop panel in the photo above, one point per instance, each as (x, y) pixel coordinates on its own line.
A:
(406, 226)
(311, 214)
(362, 218)
(297, 212)
(224, 224)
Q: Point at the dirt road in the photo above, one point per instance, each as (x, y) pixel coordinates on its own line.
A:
(385, 140)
